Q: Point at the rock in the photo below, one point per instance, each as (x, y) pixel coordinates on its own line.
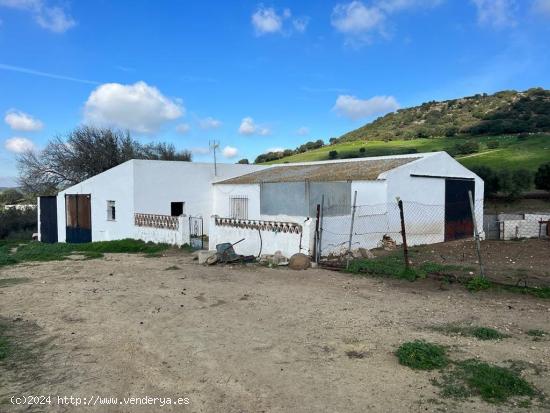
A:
(212, 259)
(365, 253)
(204, 255)
(388, 243)
(299, 262)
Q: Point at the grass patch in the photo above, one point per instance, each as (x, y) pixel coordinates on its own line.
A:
(540, 292)
(7, 282)
(421, 355)
(492, 383)
(481, 333)
(478, 284)
(537, 333)
(13, 253)
(4, 343)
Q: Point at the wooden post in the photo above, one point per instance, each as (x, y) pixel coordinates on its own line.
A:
(403, 234)
(476, 234)
(351, 226)
(321, 214)
(315, 244)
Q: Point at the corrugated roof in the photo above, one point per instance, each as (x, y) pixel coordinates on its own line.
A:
(364, 170)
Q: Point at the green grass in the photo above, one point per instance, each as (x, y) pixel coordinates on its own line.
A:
(420, 355)
(511, 153)
(481, 333)
(36, 251)
(540, 292)
(4, 343)
(492, 383)
(393, 265)
(478, 284)
(537, 333)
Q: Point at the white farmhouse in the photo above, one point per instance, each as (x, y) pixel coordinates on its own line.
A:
(142, 199)
(275, 209)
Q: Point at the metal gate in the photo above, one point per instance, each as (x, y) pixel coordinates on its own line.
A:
(196, 233)
(48, 219)
(458, 214)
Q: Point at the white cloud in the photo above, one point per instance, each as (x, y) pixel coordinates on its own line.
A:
(19, 145)
(230, 152)
(249, 127)
(183, 128)
(356, 18)
(542, 6)
(21, 121)
(52, 18)
(266, 20)
(302, 131)
(496, 13)
(209, 123)
(138, 107)
(354, 108)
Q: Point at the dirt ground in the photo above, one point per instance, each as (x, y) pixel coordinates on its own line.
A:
(248, 339)
(525, 262)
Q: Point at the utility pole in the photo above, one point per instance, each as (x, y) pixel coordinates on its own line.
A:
(214, 145)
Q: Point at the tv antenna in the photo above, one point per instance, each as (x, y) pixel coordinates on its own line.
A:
(214, 145)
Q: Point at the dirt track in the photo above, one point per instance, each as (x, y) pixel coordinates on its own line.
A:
(248, 339)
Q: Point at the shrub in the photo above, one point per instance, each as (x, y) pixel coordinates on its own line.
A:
(478, 284)
(420, 355)
(514, 183)
(490, 177)
(333, 154)
(493, 144)
(362, 150)
(17, 221)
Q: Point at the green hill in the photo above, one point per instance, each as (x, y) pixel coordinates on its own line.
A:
(508, 129)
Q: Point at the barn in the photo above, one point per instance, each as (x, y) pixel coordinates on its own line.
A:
(332, 206)
(159, 201)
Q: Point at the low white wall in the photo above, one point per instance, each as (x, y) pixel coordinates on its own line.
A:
(524, 228)
(271, 241)
(179, 236)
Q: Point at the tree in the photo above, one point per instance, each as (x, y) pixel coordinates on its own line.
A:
(244, 161)
(542, 177)
(490, 177)
(86, 151)
(514, 183)
(11, 196)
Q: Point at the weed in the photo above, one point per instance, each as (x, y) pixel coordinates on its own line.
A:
(478, 284)
(536, 333)
(540, 292)
(481, 333)
(492, 383)
(420, 355)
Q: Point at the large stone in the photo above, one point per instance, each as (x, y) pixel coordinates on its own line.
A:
(299, 262)
(204, 255)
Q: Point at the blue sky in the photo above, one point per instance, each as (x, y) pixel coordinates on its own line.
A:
(252, 75)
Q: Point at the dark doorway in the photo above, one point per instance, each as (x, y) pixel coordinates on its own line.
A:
(79, 218)
(48, 219)
(458, 216)
(176, 209)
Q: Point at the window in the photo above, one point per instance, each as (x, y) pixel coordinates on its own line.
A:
(111, 211)
(238, 207)
(176, 208)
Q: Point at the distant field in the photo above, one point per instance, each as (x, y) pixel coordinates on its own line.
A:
(512, 153)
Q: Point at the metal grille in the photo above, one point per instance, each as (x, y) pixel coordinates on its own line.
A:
(238, 207)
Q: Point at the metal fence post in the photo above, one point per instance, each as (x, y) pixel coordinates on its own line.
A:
(476, 233)
(351, 225)
(316, 241)
(403, 234)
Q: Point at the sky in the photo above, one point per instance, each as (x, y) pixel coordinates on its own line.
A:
(253, 76)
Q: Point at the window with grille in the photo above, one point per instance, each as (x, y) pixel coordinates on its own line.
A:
(238, 207)
(111, 211)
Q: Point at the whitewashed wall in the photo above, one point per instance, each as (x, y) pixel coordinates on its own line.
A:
(271, 241)
(179, 236)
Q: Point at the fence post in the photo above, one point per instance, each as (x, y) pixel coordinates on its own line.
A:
(351, 226)
(321, 215)
(403, 233)
(316, 241)
(476, 233)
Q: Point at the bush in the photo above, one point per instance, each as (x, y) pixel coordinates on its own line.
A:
(490, 178)
(514, 183)
(542, 177)
(493, 144)
(420, 355)
(333, 154)
(17, 221)
(362, 150)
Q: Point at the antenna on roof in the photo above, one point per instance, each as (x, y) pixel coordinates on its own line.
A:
(214, 145)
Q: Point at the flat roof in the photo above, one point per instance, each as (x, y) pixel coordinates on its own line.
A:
(366, 169)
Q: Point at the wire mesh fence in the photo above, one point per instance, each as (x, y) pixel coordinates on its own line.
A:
(441, 238)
